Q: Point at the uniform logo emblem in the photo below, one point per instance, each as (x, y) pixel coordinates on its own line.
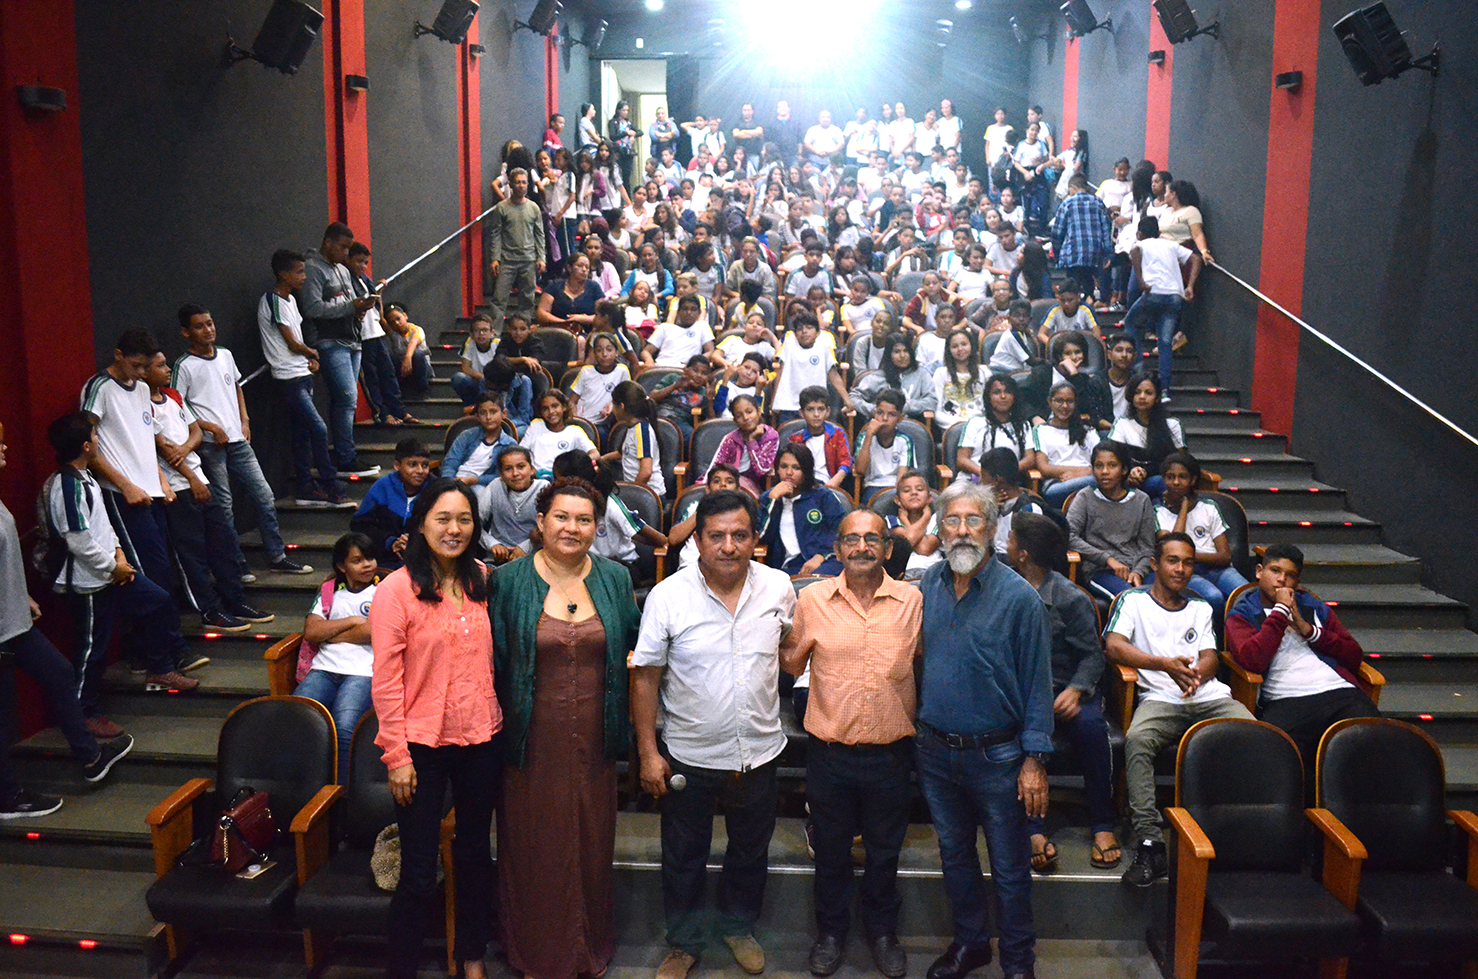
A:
(1199, 532)
(562, 444)
(149, 418)
(364, 608)
(815, 359)
(600, 531)
(691, 334)
(1190, 635)
(813, 516)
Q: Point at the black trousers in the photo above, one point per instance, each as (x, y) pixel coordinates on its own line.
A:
(475, 774)
(1305, 719)
(856, 789)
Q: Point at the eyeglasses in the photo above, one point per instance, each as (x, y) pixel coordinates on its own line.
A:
(1065, 402)
(871, 540)
(974, 522)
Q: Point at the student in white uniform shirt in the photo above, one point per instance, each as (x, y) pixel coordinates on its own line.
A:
(1184, 511)
(883, 452)
(1148, 432)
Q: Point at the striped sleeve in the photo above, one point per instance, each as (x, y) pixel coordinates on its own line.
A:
(643, 435)
(630, 523)
(74, 504)
(1036, 439)
(92, 392)
(911, 457)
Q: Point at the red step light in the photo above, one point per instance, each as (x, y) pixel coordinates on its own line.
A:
(210, 635)
(290, 547)
(18, 939)
(1211, 390)
(33, 835)
(1257, 435)
(1420, 717)
(1200, 411)
(1373, 655)
(1232, 489)
(1313, 489)
(1234, 411)
(1272, 489)
(87, 943)
(1245, 460)
(261, 635)
(1305, 523)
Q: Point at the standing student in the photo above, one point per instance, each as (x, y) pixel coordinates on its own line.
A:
(381, 387)
(387, 507)
(293, 364)
(472, 456)
(207, 378)
(1169, 272)
(883, 452)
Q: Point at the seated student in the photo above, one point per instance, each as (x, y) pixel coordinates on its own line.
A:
(387, 506)
(617, 533)
(1063, 446)
(799, 517)
(649, 269)
(1184, 512)
(686, 284)
(827, 316)
(721, 476)
(639, 313)
(1018, 349)
(98, 584)
(705, 268)
(907, 256)
(1148, 432)
(1166, 635)
(1070, 313)
(1003, 425)
(973, 281)
(477, 353)
(914, 523)
(800, 282)
(950, 262)
(902, 371)
(749, 450)
(883, 452)
(861, 307)
(405, 342)
(924, 306)
(804, 363)
(687, 392)
(507, 506)
(518, 345)
(994, 316)
(377, 373)
(1121, 358)
(830, 448)
(204, 543)
(1095, 403)
(930, 345)
(757, 338)
(673, 344)
(640, 455)
(748, 304)
(1004, 255)
(1112, 526)
(959, 382)
(336, 661)
(1035, 547)
(870, 354)
(750, 376)
(516, 390)
(1000, 471)
(471, 457)
(552, 433)
(590, 396)
(1308, 660)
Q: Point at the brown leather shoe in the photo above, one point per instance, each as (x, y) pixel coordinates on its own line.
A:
(102, 728)
(747, 953)
(676, 965)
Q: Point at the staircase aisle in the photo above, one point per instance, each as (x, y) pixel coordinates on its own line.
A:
(72, 884)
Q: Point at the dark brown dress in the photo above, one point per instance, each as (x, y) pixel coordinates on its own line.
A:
(557, 825)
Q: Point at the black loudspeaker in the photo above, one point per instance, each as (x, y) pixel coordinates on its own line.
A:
(452, 22)
(545, 16)
(1080, 18)
(286, 35)
(1179, 21)
(1373, 44)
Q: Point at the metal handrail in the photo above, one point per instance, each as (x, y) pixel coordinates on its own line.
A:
(1337, 346)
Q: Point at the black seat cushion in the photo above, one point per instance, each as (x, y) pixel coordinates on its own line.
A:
(209, 898)
(1264, 915)
(342, 897)
(1420, 916)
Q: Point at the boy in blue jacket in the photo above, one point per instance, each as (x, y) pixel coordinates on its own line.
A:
(473, 456)
(387, 505)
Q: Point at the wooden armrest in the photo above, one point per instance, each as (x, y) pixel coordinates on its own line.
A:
(310, 829)
(449, 826)
(944, 473)
(1074, 559)
(1191, 839)
(1121, 685)
(660, 556)
(283, 647)
(1127, 674)
(1244, 684)
(760, 553)
(573, 363)
(680, 472)
(1190, 856)
(1371, 681)
(1034, 479)
(1468, 823)
(181, 799)
(1259, 549)
(317, 809)
(1343, 856)
(172, 823)
(282, 664)
(1209, 481)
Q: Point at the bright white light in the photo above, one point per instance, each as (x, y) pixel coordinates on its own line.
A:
(839, 24)
(963, 4)
(654, 5)
(640, 43)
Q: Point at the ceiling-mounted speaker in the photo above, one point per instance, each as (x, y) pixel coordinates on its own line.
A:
(1375, 47)
(1179, 21)
(452, 22)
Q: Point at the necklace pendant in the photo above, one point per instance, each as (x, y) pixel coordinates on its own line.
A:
(571, 608)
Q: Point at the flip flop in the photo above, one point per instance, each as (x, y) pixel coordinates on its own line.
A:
(1100, 859)
(1044, 859)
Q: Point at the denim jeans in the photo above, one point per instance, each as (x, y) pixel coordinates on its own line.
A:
(381, 380)
(1036, 197)
(1216, 585)
(341, 369)
(748, 800)
(347, 699)
(309, 436)
(468, 388)
(974, 788)
(856, 789)
(208, 551)
(1114, 277)
(238, 459)
(418, 380)
(1087, 732)
(32, 652)
(1059, 491)
(1155, 315)
(1107, 585)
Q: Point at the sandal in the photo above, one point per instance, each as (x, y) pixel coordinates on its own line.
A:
(392, 420)
(1045, 858)
(1099, 855)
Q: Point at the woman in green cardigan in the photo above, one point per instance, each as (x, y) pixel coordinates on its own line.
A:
(563, 621)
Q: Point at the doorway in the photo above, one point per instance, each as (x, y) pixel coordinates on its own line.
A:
(643, 84)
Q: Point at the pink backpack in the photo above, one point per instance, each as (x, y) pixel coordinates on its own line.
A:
(306, 649)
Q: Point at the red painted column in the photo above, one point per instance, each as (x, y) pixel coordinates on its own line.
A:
(1157, 97)
(346, 116)
(469, 169)
(1069, 93)
(551, 76)
(1285, 212)
(45, 290)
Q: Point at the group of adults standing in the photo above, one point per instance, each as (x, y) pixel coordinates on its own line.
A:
(513, 688)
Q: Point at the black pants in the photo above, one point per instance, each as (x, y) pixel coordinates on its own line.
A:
(208, 552)
(475, 774)
(856, 789)
(33, 653)
(1305, 719)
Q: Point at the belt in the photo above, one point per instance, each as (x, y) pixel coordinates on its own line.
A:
(969, 741)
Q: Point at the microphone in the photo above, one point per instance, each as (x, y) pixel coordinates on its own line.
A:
(677, 782)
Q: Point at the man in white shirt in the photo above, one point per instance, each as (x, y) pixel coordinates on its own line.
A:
(949, 125)
(1168, 637)
(709, 653)
(870, 178)
(823, 140)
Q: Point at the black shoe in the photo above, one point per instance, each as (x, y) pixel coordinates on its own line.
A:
(1149, 865)
(958, 961)
(286, 565)
(888, 955)
(24, 805)
(112, 752)
(254, 615)
(358, 467)
(219, 621)
(826, 954)
(191, 661)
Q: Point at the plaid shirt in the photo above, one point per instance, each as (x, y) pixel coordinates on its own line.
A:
(1082, 234)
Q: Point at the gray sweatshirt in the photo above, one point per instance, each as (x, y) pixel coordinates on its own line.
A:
(516, 233)
(1100, 528)
(508, 518)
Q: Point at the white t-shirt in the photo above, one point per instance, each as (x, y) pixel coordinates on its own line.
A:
(677, 344)
(735, 348)
(172, 420)
(973, 438)
(479, 460)
(817, 445)
(1159, 266)
(1182, 634)
(477, 359)
(970, 285)
(1297, 671)
(825, 140)
(1112, 192)
(641, 442)
(272, 310)
(545, 445)
(995, 141)
(883, 462)
(1058, 322)
(1130, 432)
(208, 385)
(1203, 523)
(615, 535)
(77, 512)
(594, 388)
(802, 367)
(999, 257)
(925, 139)
(345, 658)
(901, 133)
(1120, 394)
(1060, 452)
(929, 350)
(125, 430)
(949, 131)
(1013, 217)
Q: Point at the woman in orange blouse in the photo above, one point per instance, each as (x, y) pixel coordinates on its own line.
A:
(433, 692)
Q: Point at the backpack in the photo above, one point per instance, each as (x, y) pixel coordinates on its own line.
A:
(50, 554)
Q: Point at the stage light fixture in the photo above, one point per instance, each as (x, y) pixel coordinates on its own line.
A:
(544, 17)
(452, 21)
(1376, 48)
(655, 5)
(1179, 21)
(1081, 20)
(963, 4)
(284, 40)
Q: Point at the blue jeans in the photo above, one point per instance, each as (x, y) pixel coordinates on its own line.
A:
(1114, 277)
(1216, 585)
(419, 379)
(238, 459)
(1063, 488)
(1035, 199)
(381, 383)
(347, 698)
(1155, 315)
(973, 788)
(1108, 585)
(341, 370)
(309, 436)
(468, 388)
(1088, 735)
(33, 653)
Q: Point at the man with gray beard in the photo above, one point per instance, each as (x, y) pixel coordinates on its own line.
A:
(984, 731)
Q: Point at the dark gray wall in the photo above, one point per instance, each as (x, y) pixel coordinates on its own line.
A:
(1112, 75)
(1394, 284)
(511, 85)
